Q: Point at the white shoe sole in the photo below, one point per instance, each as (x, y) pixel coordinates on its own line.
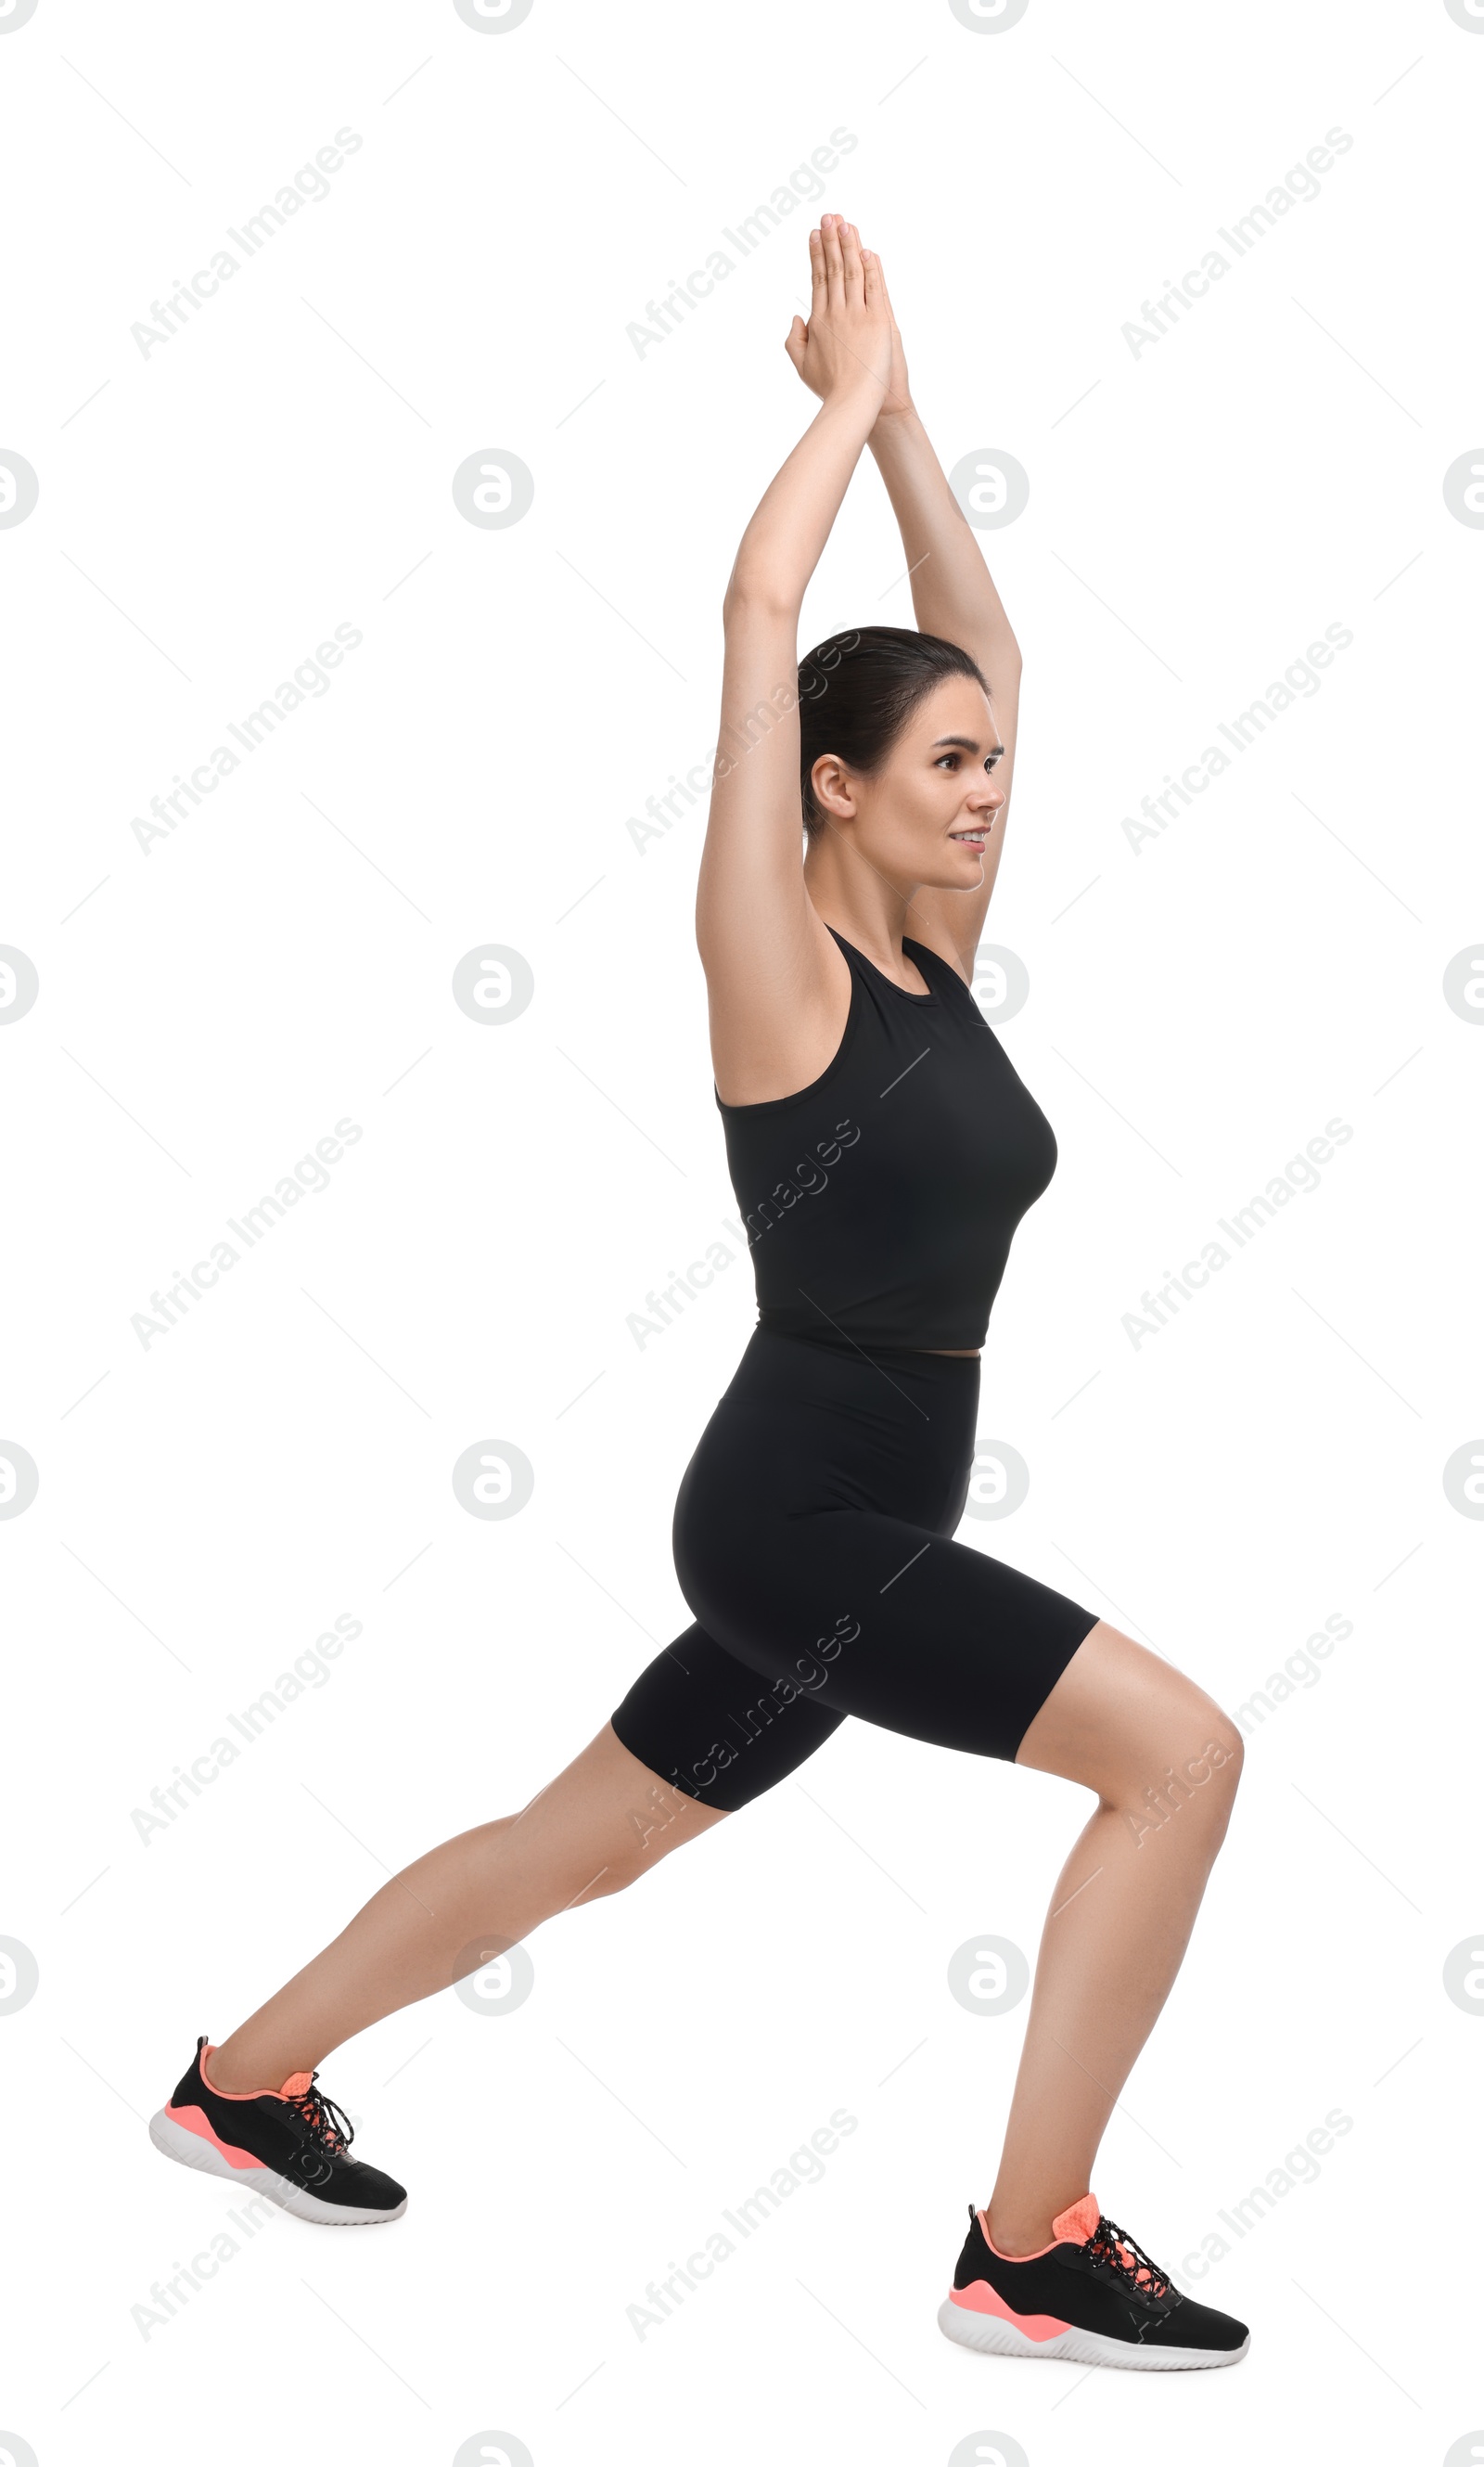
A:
(190, 2151)
(988, 2336)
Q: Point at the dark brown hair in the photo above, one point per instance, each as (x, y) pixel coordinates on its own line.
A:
(857, 692)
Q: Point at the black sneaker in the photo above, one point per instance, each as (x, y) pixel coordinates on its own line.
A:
(1092, 2296)
(291, 2145)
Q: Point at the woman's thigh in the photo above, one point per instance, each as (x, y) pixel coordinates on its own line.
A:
(711, 1726)
(857, 1612)
(845, 1612)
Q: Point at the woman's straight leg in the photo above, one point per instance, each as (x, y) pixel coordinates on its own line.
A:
(602, 1822)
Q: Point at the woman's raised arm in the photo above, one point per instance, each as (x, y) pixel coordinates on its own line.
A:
(770, 964)
(953, 595)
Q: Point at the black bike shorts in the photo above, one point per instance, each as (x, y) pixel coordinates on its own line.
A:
(812, 1539)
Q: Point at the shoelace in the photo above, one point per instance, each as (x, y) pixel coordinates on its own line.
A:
(329, 2125)
(1114, 2245)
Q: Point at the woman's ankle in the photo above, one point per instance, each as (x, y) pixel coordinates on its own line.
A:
(1016, 2234)
(1027, 2220)
(241, 2074)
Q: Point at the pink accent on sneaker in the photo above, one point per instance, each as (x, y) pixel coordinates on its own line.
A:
(980, 2297)
(1076, 2225)
(196, 2120)
(1069, 2226)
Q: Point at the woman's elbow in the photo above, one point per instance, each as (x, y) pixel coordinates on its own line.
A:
(750, 597)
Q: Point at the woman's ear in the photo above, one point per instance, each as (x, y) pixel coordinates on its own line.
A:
(832, 790)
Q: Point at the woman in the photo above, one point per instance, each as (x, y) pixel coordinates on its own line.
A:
(882, 1149)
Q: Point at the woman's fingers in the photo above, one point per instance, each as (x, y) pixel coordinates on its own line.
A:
(850, 263)
(834, 261)
(848, 332)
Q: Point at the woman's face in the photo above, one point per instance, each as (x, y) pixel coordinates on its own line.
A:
(923, 819)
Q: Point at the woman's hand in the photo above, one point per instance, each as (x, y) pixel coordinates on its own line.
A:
(849, 345)
(898, 398)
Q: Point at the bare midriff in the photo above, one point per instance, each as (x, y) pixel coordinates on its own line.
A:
(954, 1352)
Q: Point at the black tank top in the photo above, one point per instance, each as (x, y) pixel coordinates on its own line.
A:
(880, 1201)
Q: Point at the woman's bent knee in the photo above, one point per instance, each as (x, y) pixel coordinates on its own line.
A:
(1127, 1724)
(1176, 1780)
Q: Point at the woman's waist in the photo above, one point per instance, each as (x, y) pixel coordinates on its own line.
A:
(859, 1378)
(803, 1428)
(871, 1336)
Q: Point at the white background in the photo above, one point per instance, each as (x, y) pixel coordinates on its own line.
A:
(1198, 515)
